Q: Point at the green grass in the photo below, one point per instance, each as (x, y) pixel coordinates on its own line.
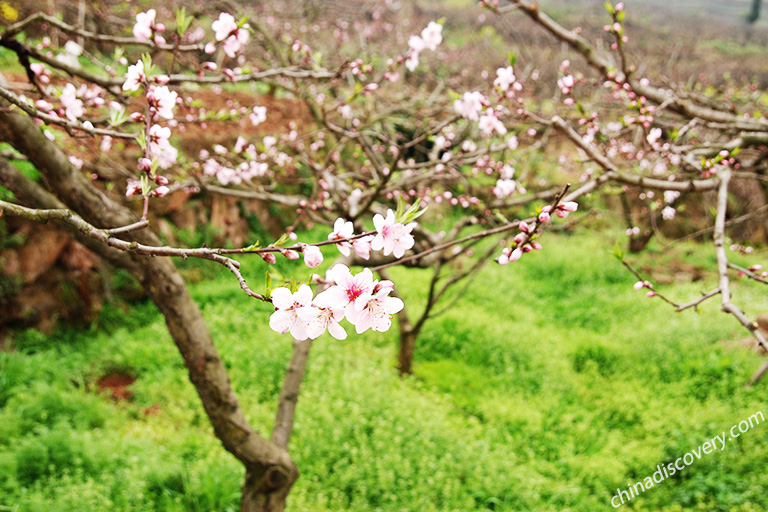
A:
(548, 386)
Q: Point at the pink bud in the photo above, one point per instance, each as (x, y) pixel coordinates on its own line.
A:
(209, 49)
(269, 257)
(516, 254)
(137, 117)
(162, 79)
(639, 285)
(161, 180)
(524, 227)
(145, 164)
(161, 191)
(650, 294)
(544, 217)
(312, 256)
(159, 39)
(159, 27)
(291, 255)
(570, 206)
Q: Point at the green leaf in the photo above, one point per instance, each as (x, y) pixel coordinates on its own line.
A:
(254, 246)
(618, 252)
(512, 59)
(182, 21)
(609, 7)
(269, 284)
(281, 241)
(400, 208)
(147, 60)
(117, 117)
(142, 140)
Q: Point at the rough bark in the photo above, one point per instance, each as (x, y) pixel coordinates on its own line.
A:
(405, 352)
(289, 396)
(270, 472)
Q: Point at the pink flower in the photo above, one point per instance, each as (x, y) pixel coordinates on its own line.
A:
(142, 30)
(470, 105)
(134, 77)
(416, 44)
(73, 105)
(362, 246)
(350, 292)
(313, 257)
(133, 188)
(489, 123)
(504, 78)
(392, 237)
(412, 62)
(653, 136)
(639, 285)
(226, 30)
(544, 217)
(258, 115)
(164, 101)
(432, 35)
(224, 26)
(377, 312)
(320, 319)
(289, 309)
(504, 188)
(566, 83)
(342, 229)
(159, 134)
(234, 42)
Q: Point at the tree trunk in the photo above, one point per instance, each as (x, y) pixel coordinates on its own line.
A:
(270, 472)
(405, 354)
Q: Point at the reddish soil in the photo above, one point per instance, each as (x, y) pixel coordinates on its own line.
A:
(117, 385)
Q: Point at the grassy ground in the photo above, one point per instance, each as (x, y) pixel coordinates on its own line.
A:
(551, 384)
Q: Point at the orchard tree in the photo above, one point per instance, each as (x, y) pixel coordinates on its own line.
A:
(380, 152)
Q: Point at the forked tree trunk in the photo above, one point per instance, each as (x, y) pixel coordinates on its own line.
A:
(270, 472)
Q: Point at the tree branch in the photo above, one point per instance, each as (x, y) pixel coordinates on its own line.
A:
(286, 409)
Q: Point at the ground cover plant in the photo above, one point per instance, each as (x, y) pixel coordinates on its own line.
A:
(591, 394)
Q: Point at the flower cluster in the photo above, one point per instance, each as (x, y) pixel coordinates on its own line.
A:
(344, 230)
(430, 38)
(524, 240)
(364, 302)
(145, 27)
(227, 30)
(645, 284)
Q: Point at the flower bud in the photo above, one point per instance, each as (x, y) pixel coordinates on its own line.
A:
(145, 164)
